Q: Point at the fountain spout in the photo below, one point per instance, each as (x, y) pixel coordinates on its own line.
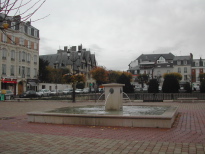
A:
(114, 96)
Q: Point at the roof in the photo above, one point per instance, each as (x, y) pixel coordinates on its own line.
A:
(62, 59)
(182, 58)
(154, 57)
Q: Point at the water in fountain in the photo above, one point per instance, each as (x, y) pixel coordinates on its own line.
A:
(100, 96)
(107, 98)
(127, 97)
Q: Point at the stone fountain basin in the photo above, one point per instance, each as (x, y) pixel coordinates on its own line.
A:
(164, 120)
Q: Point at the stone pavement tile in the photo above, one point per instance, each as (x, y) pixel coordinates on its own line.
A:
(19, 136)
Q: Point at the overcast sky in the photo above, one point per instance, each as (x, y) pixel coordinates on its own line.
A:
(118, 31)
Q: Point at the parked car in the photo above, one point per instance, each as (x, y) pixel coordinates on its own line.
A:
(160, 88)
(56, 92)
(92, 90)
(101, 90)
(28, 94)
(138, 89)
(79, 91)
(43, 92)
(67, 91)
(8, 93)
(145, 88)
(86, 90)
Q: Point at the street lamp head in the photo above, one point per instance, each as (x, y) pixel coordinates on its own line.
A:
(68, 53)
(79, 53)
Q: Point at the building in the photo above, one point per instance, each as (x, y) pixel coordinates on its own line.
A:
(154, 65)
(83, 63)
(198, 67)
(182, 65)
(19, 55)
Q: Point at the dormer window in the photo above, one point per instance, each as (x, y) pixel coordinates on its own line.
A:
(161, 60)
(13, 25)
(196, 63)
(185, 62)
(29, 31)
(178, 62)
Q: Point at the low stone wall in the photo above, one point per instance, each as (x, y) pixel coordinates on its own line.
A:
(157, 121)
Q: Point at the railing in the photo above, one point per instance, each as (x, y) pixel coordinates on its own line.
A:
(145, 96)
(165, 96)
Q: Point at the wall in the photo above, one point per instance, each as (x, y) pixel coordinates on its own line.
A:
(52, 86)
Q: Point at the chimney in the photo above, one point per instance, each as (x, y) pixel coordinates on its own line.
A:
(191, 55)
(80, 47)
(73, 48)
(65, 48)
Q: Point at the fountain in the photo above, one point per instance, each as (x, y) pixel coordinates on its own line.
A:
(112, 114)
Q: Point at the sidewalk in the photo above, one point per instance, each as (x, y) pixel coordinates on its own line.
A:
(19, 136)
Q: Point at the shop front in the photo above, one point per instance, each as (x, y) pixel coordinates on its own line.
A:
(32, 84)
(9, 84)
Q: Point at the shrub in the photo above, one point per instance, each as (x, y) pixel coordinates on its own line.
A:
(153, 86)
(170, 84)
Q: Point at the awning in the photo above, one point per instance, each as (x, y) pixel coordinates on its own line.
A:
(14, 82)
(32, 83)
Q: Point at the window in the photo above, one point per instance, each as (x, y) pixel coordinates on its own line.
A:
(196, 63)
(179, 70)
(29, 44)
(185, 69)
(4, 53)
(35, 72)
(32, 31)
(29, 31)
(3, 69)
(23, 56)
(178, 62)
(28, 71)
(185, 62)
(20, 56)
(28, 59)
(4, 38)
(22, 29)
(13, 39)
(19, 70)
(35, 46)
(12, 55)
(21, 41)
(185, 77)
(12, 70)
(35, 59)
(13, 25)
(35, 33)
(23, 72)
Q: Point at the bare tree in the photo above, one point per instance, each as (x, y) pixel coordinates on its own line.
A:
(18, 10)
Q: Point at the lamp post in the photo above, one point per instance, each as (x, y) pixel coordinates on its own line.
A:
(73, 57)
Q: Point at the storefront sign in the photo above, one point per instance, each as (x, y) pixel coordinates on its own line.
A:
(13, 81)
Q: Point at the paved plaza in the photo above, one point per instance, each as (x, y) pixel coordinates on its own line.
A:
(17, 136)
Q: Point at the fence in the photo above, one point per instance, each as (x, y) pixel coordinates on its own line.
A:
(146, 96)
